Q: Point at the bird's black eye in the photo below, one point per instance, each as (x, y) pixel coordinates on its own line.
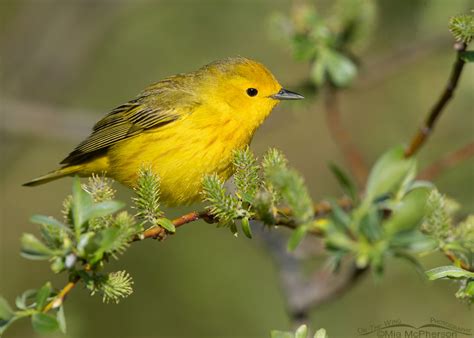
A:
(252, 92)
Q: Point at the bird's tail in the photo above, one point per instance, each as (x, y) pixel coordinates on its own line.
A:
(53, 175)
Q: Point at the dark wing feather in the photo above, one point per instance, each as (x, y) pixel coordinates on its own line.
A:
(155, 108)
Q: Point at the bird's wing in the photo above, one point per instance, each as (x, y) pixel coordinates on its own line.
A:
(153, 109)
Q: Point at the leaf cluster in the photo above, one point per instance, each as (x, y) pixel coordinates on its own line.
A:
(259, 191)
(31, 304)
(94, 229)
(384, 221)
(455, 240)
(328, 39)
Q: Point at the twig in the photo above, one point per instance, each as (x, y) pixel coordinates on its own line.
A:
(452, 257)
(323, 286)
(302, 292)
(320, 209)
(342, 138)
(59, 299)
(448, 161)
(425, 130)
(159, 232)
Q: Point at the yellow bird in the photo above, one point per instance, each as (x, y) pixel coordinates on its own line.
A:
(184, 127)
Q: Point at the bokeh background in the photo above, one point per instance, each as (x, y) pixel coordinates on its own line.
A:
(66, 63)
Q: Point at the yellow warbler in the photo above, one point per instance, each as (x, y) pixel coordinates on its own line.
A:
(184, 127)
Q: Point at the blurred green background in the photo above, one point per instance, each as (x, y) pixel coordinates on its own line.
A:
(66, 63)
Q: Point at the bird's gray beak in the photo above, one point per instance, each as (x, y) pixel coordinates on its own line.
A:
(284, 94)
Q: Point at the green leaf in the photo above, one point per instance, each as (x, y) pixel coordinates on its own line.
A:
(409, 213)
(21, 301)
(345, 182)
(420, 184)
(469, 290)
(301, 332)
(86, 243)
(370, 224)
(246, 227)
(340, 241)
(341, 69)
(166, 224)
(467, 56)
(108, 238)
(57, 265)
(414, 241)
(103, 209)
(296, 237)
(33, 248)
(388, 173)
(340, 219)
(448, 271)
(321, 333)
(47, 220)
(81, 204)
(42, 296)
(61, 319)
(281, 334)
(44, 323)
(303, 48)
(107, 242)
(6, 311)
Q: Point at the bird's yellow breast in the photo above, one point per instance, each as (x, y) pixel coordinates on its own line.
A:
(182, 152)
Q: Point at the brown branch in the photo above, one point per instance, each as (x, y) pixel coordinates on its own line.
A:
(448, 161)
(302, 292)
(282, 219)
(453, 258)
(323, 286)
(59, 299)
(342, 138)
(160, 233)
(425, 130)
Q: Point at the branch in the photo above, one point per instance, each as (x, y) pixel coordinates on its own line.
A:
(425, 130)
(61, 296)
(452, 257)
(342, 138)
(303, 292)
(283, 219)
(160, 233)
(59, 299)
(448, 161)
(322, 287)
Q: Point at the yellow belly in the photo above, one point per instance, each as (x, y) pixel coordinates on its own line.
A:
(181, 154)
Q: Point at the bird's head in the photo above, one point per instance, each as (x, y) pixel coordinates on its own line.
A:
(246, 88)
